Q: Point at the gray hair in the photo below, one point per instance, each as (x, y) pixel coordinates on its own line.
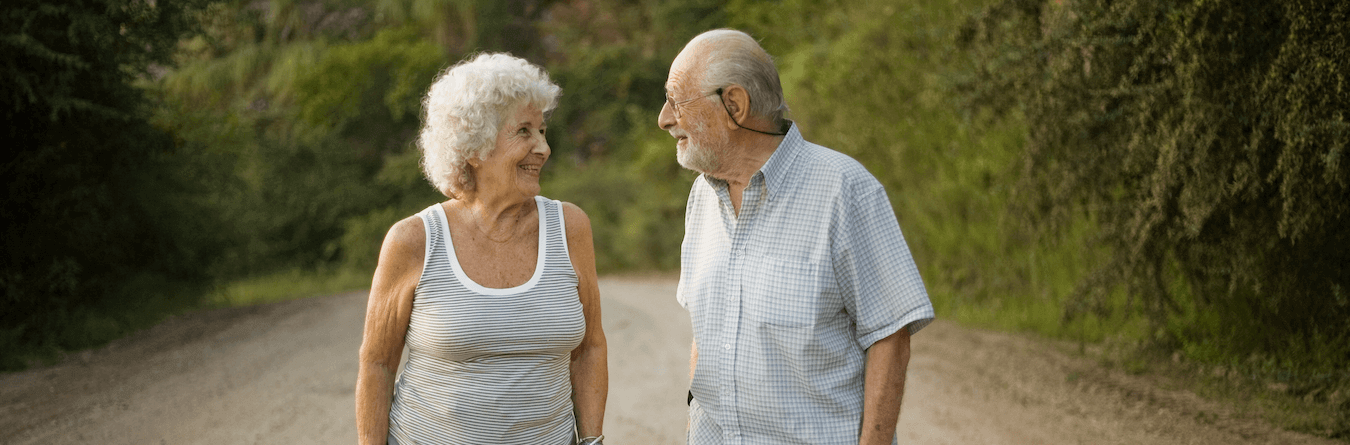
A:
(735, 58)
(465, 108)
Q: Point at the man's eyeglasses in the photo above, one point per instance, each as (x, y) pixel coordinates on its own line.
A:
(675, 106)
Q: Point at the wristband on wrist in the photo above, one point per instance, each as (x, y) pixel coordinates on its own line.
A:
(592, 440)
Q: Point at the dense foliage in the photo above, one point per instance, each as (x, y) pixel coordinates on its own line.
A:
(96, 213)
(1208, 139)
(312, 109)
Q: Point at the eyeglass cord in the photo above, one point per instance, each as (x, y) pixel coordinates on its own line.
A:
(738, 124)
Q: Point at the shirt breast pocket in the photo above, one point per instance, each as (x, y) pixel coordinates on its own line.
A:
(784, 292)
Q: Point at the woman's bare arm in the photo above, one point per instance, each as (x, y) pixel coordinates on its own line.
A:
(387, 315)
(590, 368)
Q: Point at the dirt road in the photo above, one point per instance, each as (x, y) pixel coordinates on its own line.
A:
(284, 373)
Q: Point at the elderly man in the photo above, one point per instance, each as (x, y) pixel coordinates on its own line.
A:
(800, 287)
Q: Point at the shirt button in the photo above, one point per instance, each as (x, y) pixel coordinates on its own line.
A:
(727, 346)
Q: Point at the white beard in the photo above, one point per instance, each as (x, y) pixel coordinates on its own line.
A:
(700, 157)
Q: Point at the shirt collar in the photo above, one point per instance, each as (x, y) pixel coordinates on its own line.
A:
(780, 162)
(775, 170)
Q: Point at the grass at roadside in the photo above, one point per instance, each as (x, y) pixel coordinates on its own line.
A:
(88, 328)
(1251, 387)
(1318, 410)
(287, 285)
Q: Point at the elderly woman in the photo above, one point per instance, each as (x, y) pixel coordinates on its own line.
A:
(493, 291)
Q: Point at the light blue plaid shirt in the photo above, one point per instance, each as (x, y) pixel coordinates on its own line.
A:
(786, 299)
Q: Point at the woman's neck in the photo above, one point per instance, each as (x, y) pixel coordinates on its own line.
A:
(497, 217)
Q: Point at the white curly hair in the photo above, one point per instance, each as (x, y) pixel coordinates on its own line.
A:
(465, 108)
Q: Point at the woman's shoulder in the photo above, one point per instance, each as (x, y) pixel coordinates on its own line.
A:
(410, 228)
(406, 238)
(401, 257)
(571, 213)
(577, 222)
(414, 227)
(580, 240)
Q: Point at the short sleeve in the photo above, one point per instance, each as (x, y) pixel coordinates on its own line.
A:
(876, 274)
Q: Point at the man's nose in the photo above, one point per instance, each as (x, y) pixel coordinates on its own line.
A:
(666, 120)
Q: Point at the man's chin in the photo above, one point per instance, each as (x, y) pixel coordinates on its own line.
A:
(682, 156)
(685, 163)
(689, 162)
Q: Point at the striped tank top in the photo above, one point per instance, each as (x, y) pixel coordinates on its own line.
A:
(486, 365)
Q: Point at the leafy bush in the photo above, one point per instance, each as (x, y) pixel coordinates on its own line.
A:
(1207, 139)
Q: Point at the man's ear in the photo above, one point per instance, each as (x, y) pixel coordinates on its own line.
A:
(737, 101)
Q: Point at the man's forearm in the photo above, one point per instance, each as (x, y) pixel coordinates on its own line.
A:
(884, 387)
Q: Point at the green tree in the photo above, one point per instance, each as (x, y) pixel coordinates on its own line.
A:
(312, 108)
(94, 203)
(302, 103)
(611, 58)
